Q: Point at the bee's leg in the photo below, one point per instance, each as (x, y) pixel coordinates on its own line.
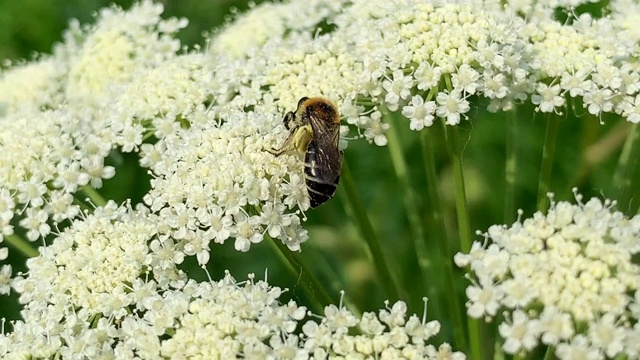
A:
(277, 152)
(303, 135)
(288, 145)
(288, 118)
(298, 140)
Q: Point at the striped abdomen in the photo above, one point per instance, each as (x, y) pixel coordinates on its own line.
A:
(321, 177)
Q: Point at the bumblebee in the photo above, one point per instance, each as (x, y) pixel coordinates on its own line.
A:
(314, 129)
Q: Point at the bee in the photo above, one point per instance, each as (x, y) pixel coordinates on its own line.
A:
(314, 129)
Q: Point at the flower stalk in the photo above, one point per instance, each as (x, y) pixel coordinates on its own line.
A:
(550, 354)
(318, 295)
(94, 196)
(440, 233)
(510, 166)
(359, 213)
(417, 228)
(464, 225)
(627, 163)
(20, 244)
(462, 211)
(548, 154)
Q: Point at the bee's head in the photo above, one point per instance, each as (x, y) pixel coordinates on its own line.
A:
(319, 107)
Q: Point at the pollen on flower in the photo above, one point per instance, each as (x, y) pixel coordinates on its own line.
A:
(575, 262)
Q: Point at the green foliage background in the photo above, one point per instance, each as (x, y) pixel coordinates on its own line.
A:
(586, 156)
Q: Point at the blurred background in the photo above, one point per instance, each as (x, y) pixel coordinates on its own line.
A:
(335, 251)
(32, 26)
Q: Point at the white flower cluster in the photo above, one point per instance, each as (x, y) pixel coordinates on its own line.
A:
(108, 85)
(385, 335)
(94, 62)
(216, 182)
(108, 287)
(94, 275)
(32, 85)
(626, 14)
(43, 163)
(564, 279)
(254, 28)
(426, 59)
(104, 58)
(121, 81)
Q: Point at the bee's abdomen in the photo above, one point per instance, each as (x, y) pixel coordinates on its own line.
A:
(319, 193)
(319, 190)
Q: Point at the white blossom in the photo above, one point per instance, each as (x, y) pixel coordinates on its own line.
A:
(419, 113)
(547, 97)
(63, 114)
(451, 107)
(109, 285)
(519, 334)
(551, 272)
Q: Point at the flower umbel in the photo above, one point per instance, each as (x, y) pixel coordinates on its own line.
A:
(217, 182)
(109, 286)
(570, 266)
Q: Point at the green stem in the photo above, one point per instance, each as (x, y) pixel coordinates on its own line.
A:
(148, 135)
(464, 226)
(550, 354)
(359, 214)
(627, 163)
(415, 225)
(94, 196)
(335, 286)
(597, 151)
(333, 283)
(294, 262)
(21, 245)
(440, 233)
(498, 353)
(510, 167)
(464, 223)
(548, 153)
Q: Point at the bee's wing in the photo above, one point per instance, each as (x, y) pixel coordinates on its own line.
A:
(326, 135)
